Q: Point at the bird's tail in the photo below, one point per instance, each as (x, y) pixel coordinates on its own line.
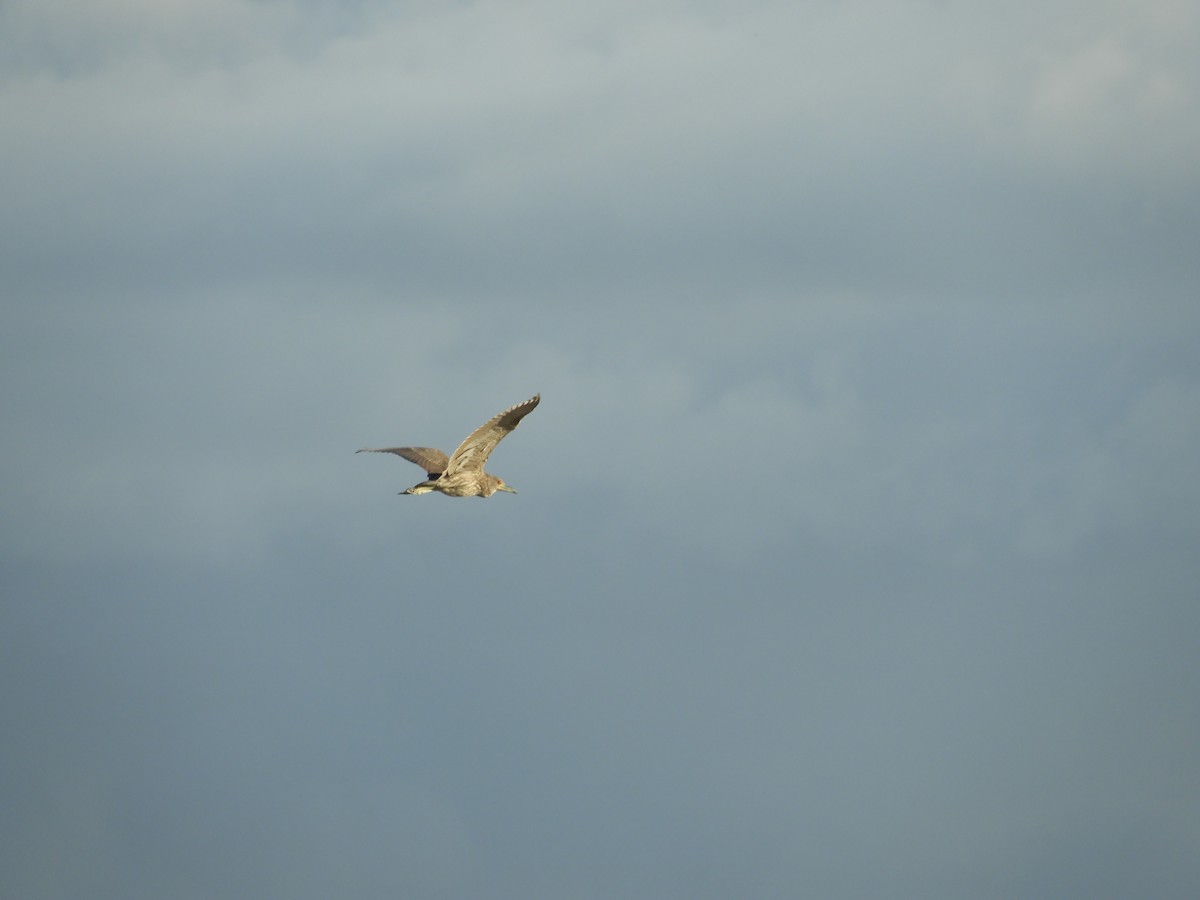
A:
(423, 488)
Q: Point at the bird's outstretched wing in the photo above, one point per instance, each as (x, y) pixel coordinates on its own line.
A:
(474, 451)
(432, 460)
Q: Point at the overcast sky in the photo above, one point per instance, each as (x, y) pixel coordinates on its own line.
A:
(855, 553)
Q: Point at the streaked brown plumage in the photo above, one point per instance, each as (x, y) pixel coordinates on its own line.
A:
(462, 475)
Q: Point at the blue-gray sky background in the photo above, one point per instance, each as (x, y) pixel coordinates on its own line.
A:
(855, 549)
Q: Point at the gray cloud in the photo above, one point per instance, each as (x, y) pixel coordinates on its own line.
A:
(854, 553)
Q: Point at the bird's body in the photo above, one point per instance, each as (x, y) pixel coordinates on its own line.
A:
(462, 475)
(464, 484)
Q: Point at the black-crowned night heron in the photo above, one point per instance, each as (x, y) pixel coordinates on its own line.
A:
(462, 475)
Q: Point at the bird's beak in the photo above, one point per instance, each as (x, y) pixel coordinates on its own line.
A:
(506, 488)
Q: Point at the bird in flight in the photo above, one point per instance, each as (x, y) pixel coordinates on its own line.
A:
(461, 474)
